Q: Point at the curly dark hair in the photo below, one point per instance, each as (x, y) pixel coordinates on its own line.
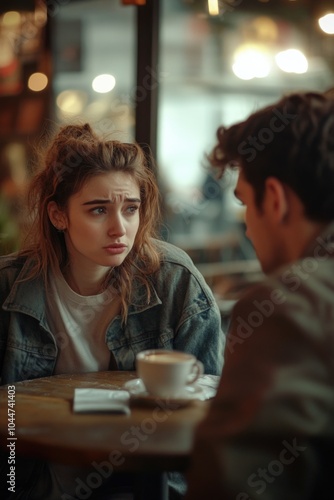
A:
(292, 140)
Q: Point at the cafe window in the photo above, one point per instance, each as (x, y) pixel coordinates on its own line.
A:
(75, 60)
(94, 44)
(220, 61)
(25, 91)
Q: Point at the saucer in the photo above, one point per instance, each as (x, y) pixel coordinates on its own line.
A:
(139, 394)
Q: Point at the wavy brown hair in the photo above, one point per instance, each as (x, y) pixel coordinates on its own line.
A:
(75, 155)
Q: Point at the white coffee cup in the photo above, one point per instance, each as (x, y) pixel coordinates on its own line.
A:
(166, 373)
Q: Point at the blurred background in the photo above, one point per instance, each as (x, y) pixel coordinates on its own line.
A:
(166, 73)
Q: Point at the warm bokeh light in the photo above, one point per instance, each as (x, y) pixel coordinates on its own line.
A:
(71, 101)
(103, 83)
(250, 62)
(213, 7)
(326, 23)
(11, 18)
(264, 29)
(40, 15)
(7, 55)
(37, 82)
(292, 61)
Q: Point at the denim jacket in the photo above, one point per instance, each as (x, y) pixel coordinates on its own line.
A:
(181, 314)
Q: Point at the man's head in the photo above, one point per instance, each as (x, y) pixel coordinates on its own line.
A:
(285, 153)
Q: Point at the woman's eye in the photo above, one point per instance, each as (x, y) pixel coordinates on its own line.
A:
(99, 210)
(132, 209)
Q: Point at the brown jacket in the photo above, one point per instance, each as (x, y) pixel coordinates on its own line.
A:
(269, 434)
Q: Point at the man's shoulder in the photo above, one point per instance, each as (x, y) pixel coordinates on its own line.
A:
(294, 286)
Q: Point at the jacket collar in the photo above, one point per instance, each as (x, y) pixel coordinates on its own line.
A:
(139, 298)
(29, 296)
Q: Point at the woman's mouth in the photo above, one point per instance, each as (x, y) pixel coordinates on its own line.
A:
(116, 248)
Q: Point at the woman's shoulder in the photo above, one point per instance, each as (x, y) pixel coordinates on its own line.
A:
(176, 261)
(173, 254)
(11, 259)
(12, 263)
(178, 273)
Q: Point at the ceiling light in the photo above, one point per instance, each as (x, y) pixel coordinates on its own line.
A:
(103, 83)
(37, 82)
(292, 61)
(326, 23)
(213, 7)
(11, 19)
(251, 62)
(71, 101)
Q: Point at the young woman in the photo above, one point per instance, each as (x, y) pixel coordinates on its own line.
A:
(92, 287)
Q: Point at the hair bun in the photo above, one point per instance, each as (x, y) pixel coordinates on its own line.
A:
(77, 132)
(70, 140)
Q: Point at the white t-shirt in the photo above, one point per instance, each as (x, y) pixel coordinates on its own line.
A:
(79, 325)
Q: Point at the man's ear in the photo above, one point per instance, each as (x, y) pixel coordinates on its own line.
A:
(276, 199)
(57, 217)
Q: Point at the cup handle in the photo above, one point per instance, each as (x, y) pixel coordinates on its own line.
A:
(198, 370)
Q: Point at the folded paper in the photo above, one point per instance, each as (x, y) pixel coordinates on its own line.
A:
(90, 400)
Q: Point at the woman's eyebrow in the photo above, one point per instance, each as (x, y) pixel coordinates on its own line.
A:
(107, 200)
(133, 200)
(97, 202)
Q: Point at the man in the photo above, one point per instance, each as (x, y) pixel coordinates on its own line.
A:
(269, 433)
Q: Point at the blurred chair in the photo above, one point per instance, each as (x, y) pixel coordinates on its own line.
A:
(204, 248)
(227, 262)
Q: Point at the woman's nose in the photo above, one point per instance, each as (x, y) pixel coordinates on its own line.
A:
(116, 226)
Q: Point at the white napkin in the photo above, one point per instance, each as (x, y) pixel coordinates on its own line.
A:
(209, 385)
(205, 387)
(92, 400)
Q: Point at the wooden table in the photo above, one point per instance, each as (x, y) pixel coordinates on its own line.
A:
(151, 439)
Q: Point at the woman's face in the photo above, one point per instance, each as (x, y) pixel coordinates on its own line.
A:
(102, 220)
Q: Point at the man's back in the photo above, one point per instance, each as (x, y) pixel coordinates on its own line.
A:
(270, 431)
